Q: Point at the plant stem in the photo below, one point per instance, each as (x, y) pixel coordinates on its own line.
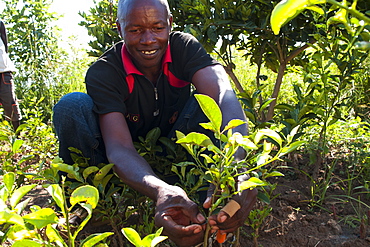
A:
(354, 12)
(71, 242)
(206, 234)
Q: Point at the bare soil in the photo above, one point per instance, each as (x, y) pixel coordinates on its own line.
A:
(292, 222)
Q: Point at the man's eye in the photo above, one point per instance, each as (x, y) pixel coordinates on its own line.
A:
(158, 28)
(134, 30)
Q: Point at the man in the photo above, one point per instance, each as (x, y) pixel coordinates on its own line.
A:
(142, 83)
(7, 95)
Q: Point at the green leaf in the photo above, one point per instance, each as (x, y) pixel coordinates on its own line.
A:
(242, 141)
(26, 243)
(265, 104)
(293, 146)
(9, 180)
(287, 10)
(157, 240)
(263, 197)
(57, 193)
(132, 236)
(95, 238)
(103, 171)
(269, 133)
(262, 158)
(89, 209)
(233, 123)
(195, 138)
(41, 218)
(22, 205)
(86, 193)
(89, 170)
(11, 218)
(251, 183)
(362, 45)
(19, 193)
(211, 110)
(16, 145)
(54, 236)
(4, 194)
(274, 174)
(70, 170)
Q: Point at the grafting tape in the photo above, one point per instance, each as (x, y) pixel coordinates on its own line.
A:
(231, 207)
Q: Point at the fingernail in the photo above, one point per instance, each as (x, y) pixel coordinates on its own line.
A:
(197, 230)
(207, 201)
(200, 218)
(223, 218)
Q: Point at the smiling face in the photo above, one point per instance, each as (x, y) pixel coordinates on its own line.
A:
(145, 26)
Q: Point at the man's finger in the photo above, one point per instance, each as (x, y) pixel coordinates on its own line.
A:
(169, 223)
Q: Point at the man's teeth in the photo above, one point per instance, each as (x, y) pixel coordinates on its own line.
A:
(149, 52)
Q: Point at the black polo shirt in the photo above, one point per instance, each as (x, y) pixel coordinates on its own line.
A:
(116, 85)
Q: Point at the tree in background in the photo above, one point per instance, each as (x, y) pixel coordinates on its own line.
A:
(226, 25)
(45, 70)
(100, 23)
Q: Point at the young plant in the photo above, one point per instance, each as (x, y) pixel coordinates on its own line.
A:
(150, 240)
(38, 228)
(216, 164)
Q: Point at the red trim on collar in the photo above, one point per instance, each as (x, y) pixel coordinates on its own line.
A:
(128, 65)
(131, 69)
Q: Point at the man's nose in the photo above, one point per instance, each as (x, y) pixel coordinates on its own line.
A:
(147, 37)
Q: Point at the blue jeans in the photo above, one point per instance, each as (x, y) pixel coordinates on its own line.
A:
(77, 125)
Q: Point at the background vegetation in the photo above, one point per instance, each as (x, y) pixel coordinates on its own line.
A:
(313, 75)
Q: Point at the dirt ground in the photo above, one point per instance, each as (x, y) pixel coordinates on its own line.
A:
(293, 222)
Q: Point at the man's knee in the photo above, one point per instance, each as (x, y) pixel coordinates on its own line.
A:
(75, 100)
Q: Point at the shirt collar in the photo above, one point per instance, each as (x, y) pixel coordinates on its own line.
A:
(129, 66)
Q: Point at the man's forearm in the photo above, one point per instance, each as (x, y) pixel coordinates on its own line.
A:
(134, 171)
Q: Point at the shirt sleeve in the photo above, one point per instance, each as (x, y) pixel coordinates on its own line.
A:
(188, 56)
(106, 84)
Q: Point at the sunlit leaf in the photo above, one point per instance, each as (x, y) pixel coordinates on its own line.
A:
(287, 10)
(293, 146)
(26, 243)
(11, 218)
(195, 138)
(70, 170)
(9, 179)
(262, 158)
(54, 236)
(17, 145)
(269, 133)
(86, 193)
(95, 238)
(132, 236)
(274, 174)
(19, 194)
(157, 240)
(251, 183)
(41, 218)
(211, 110)
(57, 193)
(233, 123)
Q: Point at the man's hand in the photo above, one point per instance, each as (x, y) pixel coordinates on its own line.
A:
(180, 217)
(223, 221)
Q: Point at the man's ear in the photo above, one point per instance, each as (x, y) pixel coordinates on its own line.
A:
(171, 22)
(119, 28)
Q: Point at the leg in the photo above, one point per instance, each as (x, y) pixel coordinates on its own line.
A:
(9, 100)
(77, 126)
